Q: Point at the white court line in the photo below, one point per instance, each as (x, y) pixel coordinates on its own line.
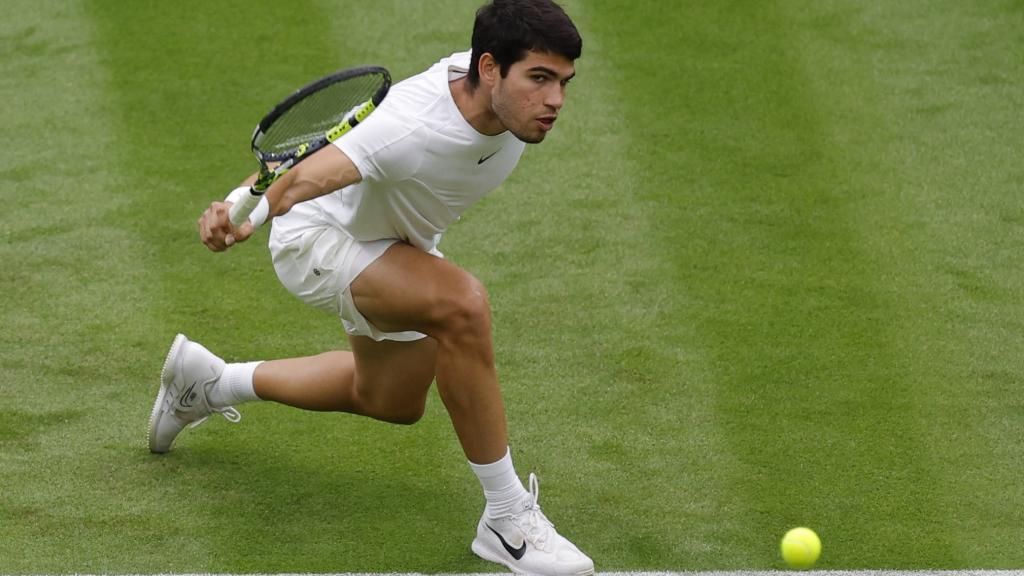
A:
(724, 573)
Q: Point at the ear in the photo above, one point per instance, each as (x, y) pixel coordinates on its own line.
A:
(489, 69)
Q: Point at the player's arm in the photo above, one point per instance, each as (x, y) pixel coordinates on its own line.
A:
(325, 171)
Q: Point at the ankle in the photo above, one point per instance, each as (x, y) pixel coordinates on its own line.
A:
(235, 386)
(504, 492)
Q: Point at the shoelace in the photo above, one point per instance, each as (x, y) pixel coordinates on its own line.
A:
(228, 412)
(535, 525)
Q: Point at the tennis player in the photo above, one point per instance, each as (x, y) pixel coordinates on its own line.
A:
(355, 229)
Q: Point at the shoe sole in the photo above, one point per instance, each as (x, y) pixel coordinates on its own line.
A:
(165, 381)
(482, 551)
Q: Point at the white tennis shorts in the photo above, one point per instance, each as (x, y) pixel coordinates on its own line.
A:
(317, 262)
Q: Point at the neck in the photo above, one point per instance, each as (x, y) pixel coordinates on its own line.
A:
(475, 106)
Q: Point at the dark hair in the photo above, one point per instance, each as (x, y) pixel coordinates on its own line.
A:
(508, 29)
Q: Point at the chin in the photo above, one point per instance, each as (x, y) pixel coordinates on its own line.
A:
(534, 138)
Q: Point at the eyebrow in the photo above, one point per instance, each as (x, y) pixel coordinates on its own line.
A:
(551, 72)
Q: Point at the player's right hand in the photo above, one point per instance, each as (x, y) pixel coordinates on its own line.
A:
(216, 230)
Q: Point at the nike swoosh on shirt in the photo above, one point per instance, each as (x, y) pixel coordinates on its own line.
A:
(516, 553)
(488, 157)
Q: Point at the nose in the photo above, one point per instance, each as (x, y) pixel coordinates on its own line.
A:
(555, 97)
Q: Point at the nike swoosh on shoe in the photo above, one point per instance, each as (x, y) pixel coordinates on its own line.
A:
(516, 553)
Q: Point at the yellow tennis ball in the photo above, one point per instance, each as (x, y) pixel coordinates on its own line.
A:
(800, 548)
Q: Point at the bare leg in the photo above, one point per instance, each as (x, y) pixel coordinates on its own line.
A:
(408, 289)
(383, 380)
(322, 382)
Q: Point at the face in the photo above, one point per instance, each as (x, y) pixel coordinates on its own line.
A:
(527, 101)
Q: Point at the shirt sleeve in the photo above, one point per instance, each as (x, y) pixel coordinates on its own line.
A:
(386, 146)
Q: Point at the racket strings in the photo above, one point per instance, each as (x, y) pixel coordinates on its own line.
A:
(318, 112)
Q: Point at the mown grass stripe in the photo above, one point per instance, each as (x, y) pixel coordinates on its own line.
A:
(187, 83)
(76, 294)
(820, 397)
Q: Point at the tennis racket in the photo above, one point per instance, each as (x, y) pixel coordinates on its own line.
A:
(308, 120)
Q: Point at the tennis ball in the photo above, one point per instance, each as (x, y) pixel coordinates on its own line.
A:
(800, 548)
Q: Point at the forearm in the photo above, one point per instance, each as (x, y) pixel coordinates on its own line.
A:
(291, 189)
(327, 170)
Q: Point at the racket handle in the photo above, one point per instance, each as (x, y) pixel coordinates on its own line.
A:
(240, 210)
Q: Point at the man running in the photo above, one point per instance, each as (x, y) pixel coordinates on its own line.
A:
(355, 232)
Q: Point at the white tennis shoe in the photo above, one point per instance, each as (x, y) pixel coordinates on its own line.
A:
(527, 542)
(189, 371)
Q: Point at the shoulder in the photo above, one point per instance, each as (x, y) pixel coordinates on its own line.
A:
(421, 94)
(386, 146)
(392, 141)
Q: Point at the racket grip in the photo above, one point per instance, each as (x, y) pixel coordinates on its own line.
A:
(246, 204)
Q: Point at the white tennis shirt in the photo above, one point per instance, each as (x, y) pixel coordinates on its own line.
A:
(422, 163)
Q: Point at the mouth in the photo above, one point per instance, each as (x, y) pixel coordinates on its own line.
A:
(546, 122)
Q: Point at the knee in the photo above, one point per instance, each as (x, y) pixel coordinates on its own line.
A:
(404, 415)
(464, 311)
(391, 407)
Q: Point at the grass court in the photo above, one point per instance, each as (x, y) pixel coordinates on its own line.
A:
(767, 271)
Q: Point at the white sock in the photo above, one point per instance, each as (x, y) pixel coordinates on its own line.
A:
(234, 386)
(504, 492)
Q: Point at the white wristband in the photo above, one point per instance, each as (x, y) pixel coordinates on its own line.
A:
(259, 214)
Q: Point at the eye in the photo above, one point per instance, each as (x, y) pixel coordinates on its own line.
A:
(538, 78)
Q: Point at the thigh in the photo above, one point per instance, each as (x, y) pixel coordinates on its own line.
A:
(409, 289)
(393, 372)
